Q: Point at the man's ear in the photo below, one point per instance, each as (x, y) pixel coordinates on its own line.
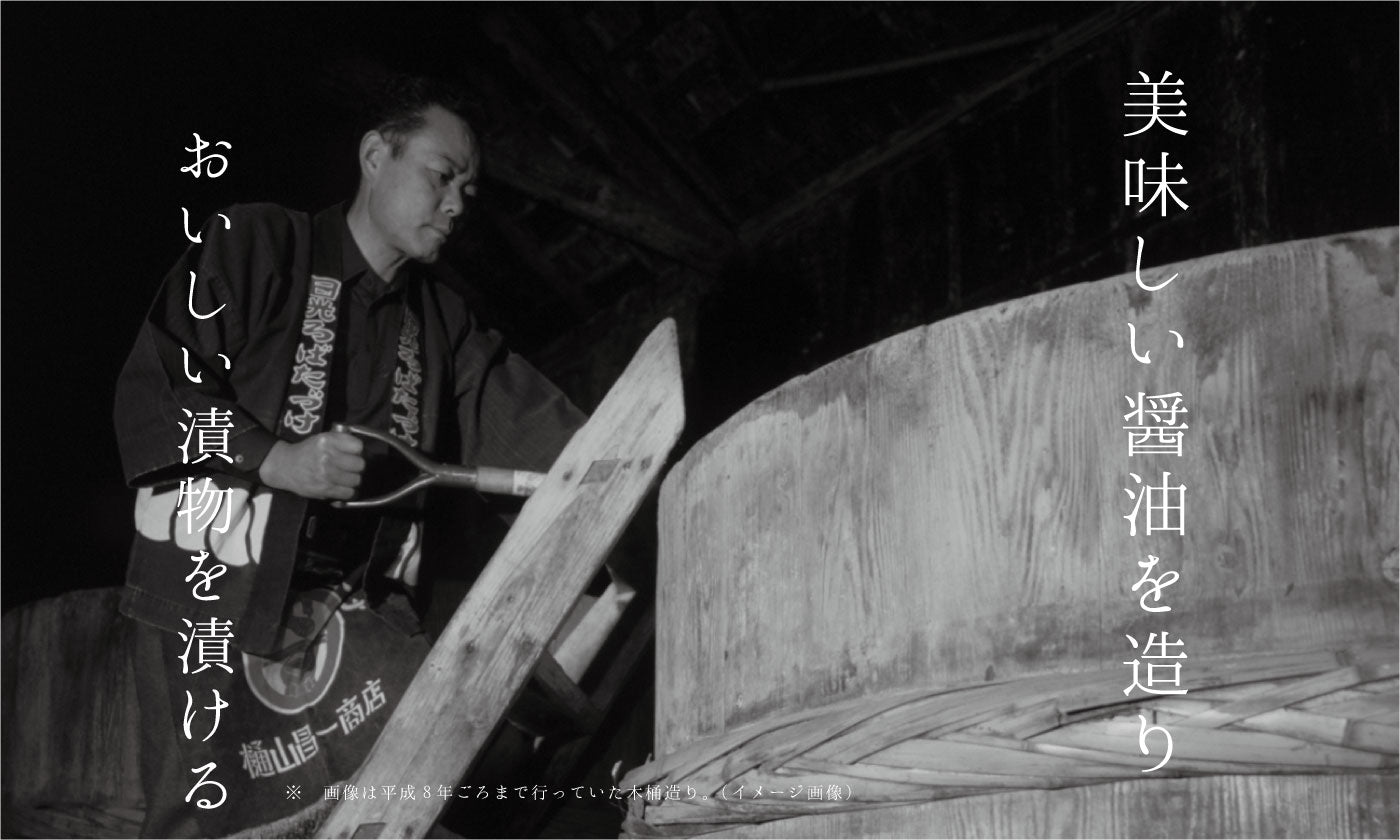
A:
(374, 149)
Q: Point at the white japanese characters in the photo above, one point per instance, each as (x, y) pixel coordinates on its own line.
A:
(1155, 422)
(207, 434)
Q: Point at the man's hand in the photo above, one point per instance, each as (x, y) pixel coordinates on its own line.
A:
(324, 466)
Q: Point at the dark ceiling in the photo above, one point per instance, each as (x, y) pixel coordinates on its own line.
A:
(629, 148)
(634, 140)
(822, 173)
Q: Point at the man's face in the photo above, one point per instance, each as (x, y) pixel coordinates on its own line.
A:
(419, 195)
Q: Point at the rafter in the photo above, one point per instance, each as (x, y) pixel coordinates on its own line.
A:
(623, 91)
(603, 201)
(905, 142)
(576, 101)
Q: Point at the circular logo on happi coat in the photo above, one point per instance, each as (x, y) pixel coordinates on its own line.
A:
(302, 670)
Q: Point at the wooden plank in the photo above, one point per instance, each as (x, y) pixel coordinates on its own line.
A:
(73, 820)
(563, 763)
(552, 703)
(577, 650)
(71, 723)
(580, 609)
(558, 542)
(620, 667)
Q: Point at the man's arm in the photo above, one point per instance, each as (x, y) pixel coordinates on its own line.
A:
(177, 411)
(324, 466)
(509, 414)
(180, 367)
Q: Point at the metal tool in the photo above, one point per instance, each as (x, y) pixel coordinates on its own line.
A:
(485, 479)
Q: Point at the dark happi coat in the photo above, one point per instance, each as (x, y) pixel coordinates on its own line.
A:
(268, 274)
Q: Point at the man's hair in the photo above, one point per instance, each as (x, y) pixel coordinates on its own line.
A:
(398, 102)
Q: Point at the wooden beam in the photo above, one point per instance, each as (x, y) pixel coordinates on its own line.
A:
(604, 202)
(576, 100)
(519, 155)
(902, 144)
(903, 64)
(552, 703)
(488, 651)
(580, 647)
(650, 180)
(633, 98)
(565, 762)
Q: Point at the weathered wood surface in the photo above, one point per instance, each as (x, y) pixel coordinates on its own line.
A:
(1214, 806)
(558, 542)
(946, 507)
(70, 819)
(579, 647)
(71, 723)
(1047, 732)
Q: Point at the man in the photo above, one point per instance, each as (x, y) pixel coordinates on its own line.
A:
(276, 631)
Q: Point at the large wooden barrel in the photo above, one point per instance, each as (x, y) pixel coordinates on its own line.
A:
(72, 727)
(72, 763)
(904, 582)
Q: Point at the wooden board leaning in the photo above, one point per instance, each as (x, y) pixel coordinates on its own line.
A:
(558, 543)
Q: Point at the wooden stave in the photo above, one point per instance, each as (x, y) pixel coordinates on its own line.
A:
(703, 672)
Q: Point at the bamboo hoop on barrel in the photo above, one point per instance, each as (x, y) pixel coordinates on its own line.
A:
(1320, 712)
